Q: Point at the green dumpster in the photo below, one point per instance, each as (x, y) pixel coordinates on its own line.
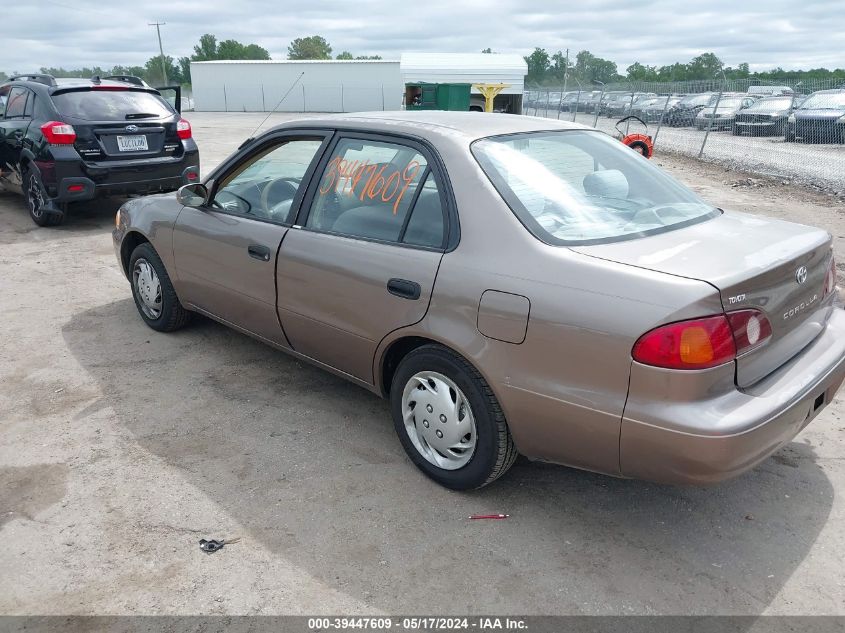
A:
(427, 96)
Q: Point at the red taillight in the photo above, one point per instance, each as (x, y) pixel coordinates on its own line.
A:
(830, 280)
(192, 176)
(58, 133)
(75, 188)
(695, 344)
(183, 129)
(703, 343)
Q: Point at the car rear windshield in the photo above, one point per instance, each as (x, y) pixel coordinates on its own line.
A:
(583, 187)
(111, 105)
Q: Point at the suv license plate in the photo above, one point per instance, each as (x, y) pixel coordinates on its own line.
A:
(132, 143)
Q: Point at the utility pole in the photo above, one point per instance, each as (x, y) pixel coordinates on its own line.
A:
(158, 26)
(566, 70)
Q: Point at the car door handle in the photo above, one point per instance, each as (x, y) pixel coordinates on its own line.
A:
(259, 252)
(404, 288)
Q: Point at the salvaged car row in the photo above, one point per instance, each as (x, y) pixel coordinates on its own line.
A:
(815, 118)
(510, 284)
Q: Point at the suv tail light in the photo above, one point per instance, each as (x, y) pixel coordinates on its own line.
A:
(702, 343)
(58, 133)
(183, 129)
(830, 280)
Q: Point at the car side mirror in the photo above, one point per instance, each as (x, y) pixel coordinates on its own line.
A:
(193, 195)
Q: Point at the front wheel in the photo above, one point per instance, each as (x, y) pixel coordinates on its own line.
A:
(448, 420)
(36, 200)
(154, 295)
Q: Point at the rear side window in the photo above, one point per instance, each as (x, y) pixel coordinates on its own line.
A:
(111, 105)
(16, 106)
(369, 188)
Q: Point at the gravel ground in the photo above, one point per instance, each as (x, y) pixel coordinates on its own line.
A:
(121, 448)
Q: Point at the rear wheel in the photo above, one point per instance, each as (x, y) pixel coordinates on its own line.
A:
(36, 200)
(154, 295)
(448, 420)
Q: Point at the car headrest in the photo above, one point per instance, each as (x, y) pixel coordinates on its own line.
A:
(608, 183)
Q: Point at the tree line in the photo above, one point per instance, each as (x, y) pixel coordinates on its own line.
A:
(544, 68)
(556, 69)
(207, 49)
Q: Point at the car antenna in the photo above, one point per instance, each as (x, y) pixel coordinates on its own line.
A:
(285, 96)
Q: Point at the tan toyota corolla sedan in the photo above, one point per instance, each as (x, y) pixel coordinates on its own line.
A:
(511, 284)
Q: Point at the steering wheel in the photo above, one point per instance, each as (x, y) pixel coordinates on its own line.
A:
(291, 186)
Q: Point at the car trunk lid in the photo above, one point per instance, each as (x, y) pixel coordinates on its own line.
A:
(776, 267)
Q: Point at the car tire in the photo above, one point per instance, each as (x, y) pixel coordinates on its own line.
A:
(154, 295)
(470, 407)
(36, 200)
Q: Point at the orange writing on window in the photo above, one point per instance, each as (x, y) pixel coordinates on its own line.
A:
(367, 180)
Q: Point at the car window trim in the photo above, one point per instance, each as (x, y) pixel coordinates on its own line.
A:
(236, 161)
(413, 208)
(433, 165)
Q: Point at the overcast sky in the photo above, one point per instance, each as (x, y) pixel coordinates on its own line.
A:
(765, 33)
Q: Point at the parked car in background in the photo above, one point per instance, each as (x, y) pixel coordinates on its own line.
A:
(569, 101)
(657, 108)
(683, 113)
(622, 107)
(820, 119)
(509, 284)
(765, 117)
(592, 102)
(723, 115)
(611, 97)
(71, 140)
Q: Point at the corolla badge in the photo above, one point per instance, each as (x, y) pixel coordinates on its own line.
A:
(131, 128)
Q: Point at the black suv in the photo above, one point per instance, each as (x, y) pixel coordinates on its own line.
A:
(75, 139)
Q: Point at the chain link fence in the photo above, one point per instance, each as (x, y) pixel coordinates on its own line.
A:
(795, 132)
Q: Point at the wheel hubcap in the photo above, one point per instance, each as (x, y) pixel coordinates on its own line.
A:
(148, 288)
(35, 197)
(438, 420)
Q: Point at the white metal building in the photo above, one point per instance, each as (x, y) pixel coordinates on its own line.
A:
(346, 85)
(324, 86)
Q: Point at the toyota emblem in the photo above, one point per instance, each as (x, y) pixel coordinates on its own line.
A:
(131, 128)
(801, 275)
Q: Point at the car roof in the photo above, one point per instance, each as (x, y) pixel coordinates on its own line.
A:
(432, 124)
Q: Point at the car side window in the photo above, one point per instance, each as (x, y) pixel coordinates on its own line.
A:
(264, 187)
(425, 227)
(16, 106)
(367, 189)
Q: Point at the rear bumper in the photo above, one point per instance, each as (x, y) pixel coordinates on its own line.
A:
(701, 441)
(70, 178)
